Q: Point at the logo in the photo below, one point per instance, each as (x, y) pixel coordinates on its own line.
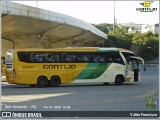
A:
(150, 104)
(6, 114)
(146, 4)
(146, 7)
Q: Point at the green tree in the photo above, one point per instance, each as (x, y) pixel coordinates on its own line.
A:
(120, 38)
(146, 45)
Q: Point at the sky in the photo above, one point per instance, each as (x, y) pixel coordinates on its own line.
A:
(96, 12)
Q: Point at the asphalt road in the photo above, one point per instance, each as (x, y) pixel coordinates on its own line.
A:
(84, 97)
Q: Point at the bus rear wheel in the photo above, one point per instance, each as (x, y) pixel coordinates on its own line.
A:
(55, 81)
(42, 82)
(119, 80)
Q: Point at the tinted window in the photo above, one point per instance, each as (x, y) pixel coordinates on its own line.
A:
(114, 57)
(84, 57)
(127, 56)
(38, 57)
(68, 57)
(75, 57)
(23, 56)
(53, 57)
(100, 57)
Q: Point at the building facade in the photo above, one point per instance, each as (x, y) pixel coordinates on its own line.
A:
(132, 27)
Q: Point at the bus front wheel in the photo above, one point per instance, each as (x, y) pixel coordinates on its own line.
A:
(42, 82)
(119, 80)
(54, 82)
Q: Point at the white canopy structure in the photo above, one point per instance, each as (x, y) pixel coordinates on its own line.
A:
(29, 27)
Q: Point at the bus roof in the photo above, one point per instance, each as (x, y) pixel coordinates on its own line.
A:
(125, 50)
(93, 49)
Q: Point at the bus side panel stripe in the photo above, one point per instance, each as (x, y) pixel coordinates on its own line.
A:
(89, 69)
(98, 71)
(92, 70)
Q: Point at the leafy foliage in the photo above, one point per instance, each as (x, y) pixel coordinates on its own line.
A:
(145, 45)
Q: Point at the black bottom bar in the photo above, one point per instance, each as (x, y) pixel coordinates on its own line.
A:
(39, 114)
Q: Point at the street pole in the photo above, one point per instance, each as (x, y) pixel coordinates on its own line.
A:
(37, 3)
(114, 18)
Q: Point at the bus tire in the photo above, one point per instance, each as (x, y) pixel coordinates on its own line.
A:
(54, 81)
(119, 80)
(42, 82)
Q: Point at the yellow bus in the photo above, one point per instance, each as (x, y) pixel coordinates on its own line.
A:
(52, 67)
(3, 66)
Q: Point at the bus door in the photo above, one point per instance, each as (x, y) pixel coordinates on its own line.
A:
(135, 62)
(136, 69)
(3, 66)
(9, 66)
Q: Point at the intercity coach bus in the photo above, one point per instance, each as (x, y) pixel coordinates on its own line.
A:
(52, 67)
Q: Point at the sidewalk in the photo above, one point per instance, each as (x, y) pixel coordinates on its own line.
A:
(149, 70)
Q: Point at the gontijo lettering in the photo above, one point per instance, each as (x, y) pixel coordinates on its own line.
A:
(59, 66)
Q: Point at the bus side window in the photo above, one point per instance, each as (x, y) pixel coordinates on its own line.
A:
(102, 59)
(49, 57)
(64, 58)
(115, 58)
(33, 57)
(118, 59)
(79, 57)
(56, 57)
(84, 58)
(40, 57)
(74, 57)
(69, 57)
(109, 57)
(23, 56)
(96, 58)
